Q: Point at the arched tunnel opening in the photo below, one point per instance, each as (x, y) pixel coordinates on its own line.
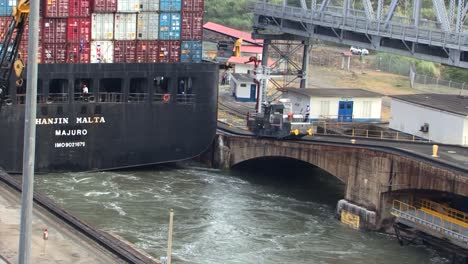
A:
(291, 177)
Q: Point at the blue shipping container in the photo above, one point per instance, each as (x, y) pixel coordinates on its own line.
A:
(170, 5)
(6, 7)
(191, 51)
(169, 26)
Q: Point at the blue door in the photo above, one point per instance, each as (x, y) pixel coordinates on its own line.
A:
(345, 111)
(253, 90)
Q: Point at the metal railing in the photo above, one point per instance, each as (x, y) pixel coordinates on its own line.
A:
(185, 98)
(82, 97)
(21, 99)
(430, 221)
(336, 19)
(57, 98)
(443, 209)
(110, 97)
(137, 97)
(345, 129)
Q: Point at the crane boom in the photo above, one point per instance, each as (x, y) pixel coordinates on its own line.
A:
(10, 46)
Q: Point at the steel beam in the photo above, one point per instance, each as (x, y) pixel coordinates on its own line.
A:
(324, 5)
(380, 4)
(416, 12)
(305, 64)
(441, 14)
(391, 11)
(369, 9)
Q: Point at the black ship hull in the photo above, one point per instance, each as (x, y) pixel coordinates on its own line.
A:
(134, 114)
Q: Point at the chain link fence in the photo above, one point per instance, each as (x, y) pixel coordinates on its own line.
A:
(437, 85)
(395, 65)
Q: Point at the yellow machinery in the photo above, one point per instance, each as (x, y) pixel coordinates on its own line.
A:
(237, 47)
(10, 45)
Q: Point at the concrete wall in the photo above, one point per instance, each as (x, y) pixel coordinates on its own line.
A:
(300, 101)
(444, 127)
(368, 174)
(243, 68)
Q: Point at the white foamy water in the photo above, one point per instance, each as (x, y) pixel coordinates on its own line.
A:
(228, 217)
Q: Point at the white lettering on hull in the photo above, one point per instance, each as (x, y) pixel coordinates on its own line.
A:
(52, 121)
(71, 132)
(70, 144)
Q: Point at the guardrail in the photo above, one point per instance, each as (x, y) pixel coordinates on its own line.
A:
(435, 223)
(413, 33)
(325, 128)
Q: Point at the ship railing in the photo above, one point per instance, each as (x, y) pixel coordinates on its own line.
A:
(57, 98)
(159, 97)
(21, 99)
(185, 98)
(110, 97)
(137, 97)
(81, 97)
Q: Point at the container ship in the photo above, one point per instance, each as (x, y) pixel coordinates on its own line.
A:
(120, 84)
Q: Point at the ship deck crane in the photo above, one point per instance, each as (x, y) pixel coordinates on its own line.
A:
(9, 59)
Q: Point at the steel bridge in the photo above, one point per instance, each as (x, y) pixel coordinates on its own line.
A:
(394, 26)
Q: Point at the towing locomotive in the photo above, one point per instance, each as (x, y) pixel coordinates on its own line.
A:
(277, 121)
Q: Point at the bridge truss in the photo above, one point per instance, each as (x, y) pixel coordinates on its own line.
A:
(396, 26)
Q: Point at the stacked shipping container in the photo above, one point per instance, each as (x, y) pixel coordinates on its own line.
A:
(115, 31)
(192, 31)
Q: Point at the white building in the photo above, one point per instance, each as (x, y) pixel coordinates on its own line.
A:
(336, 104)
(438, 117)
(243, 87)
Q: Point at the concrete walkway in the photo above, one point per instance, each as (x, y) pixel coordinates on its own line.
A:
(63, 246)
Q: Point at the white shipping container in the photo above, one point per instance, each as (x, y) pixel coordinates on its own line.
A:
(149, 5)
(102, 51)
(129, 5)
(148, 26)
(102, 26)
(125, 26)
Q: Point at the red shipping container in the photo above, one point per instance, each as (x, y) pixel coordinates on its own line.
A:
(79, 30)
(80, 8)
(124, 51)
(169, 51)
(77, 53)
(56, 8)
(106, 6)
(192, 26)
(192, 5)
(23, 47)
(4, 24)
(147, 51)
(54, 30)
(54, 53)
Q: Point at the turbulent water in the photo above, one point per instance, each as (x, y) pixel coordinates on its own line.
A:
(264, 212)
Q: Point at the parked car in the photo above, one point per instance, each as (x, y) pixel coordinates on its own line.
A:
(358, 51)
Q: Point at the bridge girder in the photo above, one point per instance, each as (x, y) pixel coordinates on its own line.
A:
(387, 32)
